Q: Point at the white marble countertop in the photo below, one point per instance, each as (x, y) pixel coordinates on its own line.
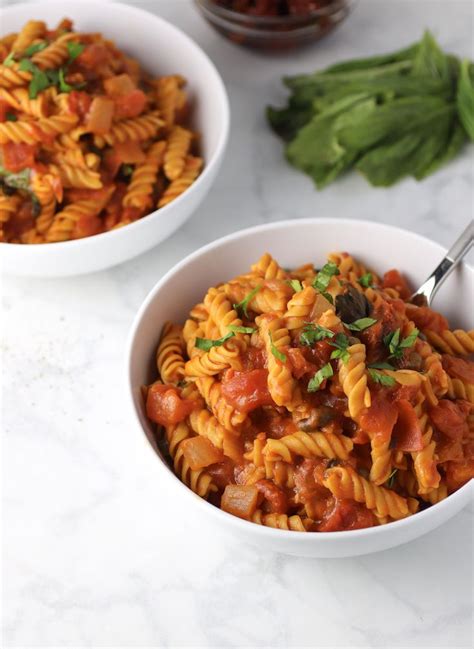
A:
(92, 556)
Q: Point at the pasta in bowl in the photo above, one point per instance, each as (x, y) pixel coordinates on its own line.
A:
(310, 399)
(100, 133)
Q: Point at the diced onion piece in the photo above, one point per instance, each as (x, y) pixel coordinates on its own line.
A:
(240, 500)
(100, 115)
(200, 452)
(121, 84)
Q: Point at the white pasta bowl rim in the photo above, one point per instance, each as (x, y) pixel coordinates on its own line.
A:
(210, 164)
(221, 515)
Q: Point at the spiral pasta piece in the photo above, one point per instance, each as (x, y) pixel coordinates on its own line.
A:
(30, 32)
(205, 424)
(268, 268)
(170, 354)
(197, 480)
(308, 445)
(72, 176)
(265, 300)
(56, 53)
(281, 384)
(226, 415)
(19, 99)
(65, 221)
(299, 308)
(176, 151)
(344, 482)
(458, 389)
(177, 187)
(10, 77)
(424, 461)
(457, 342)
(214, 361)
(43, 188)
(135, 129)
(281, 521)
(169, 97)
(30, 133)
(140, 190)
(353, 377)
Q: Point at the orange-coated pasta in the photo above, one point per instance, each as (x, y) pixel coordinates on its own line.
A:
(83, 127)
(312, 400)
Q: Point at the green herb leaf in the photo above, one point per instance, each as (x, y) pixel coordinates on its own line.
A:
(35, 47)
(276, 352)
(243, 304)
(324, 373)
(63, 85)
(295, 285)
(396, 346)
(11, 117)
(20, 180)
(322, 279)
(126, 170)
(341, 342)
(206, 343)
(383, 379)
(381, 366)
(26, 65)
(241, 330)
(391, 479)
(361, 324)
(328, 297)
(365, 280)
(40, 80)
(10, 60)
(313, 333)
(74, 49)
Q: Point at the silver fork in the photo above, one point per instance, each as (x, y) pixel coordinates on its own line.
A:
(425, 294)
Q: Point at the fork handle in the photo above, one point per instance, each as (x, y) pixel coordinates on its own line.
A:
(460, 247)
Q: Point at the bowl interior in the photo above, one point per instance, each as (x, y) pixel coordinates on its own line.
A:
(159, 47)
(292, 243)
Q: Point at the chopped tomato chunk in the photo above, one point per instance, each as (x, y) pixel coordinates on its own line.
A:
(165, 406)
(18, 156)
(459, 368)
(450, 417)
(380, 418)
(130, 105)
(407, 433)
(345, 514)
(458, 473)
(79, 103)
(246, 391)
(393, 279)
(93, 56)
(275, 500)
(299, 365)
(426, 318)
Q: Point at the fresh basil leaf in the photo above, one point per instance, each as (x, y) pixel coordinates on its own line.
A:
(74, 50)
(328, 297)
(396, 346)
(243, 304)
(26, 65)
(383, 379)
(20, 180)
(322, 279)
(275, 351)
(365, 280)
(11, 117)
(35, 47)
(236, 329)
(361, 324)
(10, 60)
(341, 342)
(381, 366)
(324, 373)
(295, 285)
(206, 343)
(63, 85)
(409, 341)
(314, 333)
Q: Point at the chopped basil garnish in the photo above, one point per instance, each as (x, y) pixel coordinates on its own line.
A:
(313, 333)
(74, 49)
(63, 85)
(323, 278)
(243, 304)
(381, 366)
(275, 351)
(20, 180)
(361, 324)
(324, 373)
(365, 280)
(295, 285)
(341, 342)
(10, 60)
(35, 47)
(383, 379)
(396, 346)
(126, 170)
(391, 479)
(236, 329)
(206, 343)
(11, 117)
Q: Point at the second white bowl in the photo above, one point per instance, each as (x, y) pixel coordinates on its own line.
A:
(162, 49)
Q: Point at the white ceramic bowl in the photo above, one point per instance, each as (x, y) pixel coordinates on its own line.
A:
(291, 243)
(162, 49)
